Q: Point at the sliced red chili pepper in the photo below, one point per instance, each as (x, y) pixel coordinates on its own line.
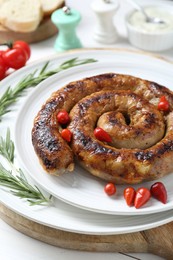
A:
(102, 135)
(142, 196)
(66, 134)
(159, 192)
(129, 195)
(163, 104)
(63, 117)
(110, 189)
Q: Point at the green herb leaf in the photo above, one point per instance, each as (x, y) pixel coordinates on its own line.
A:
(11, 95)
(7, 147)
(18, 184)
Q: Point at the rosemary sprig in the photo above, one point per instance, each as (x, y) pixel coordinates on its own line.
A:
(18, 185)
(7, 147)
(11, 95)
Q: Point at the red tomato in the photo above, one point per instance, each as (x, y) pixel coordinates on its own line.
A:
(142, 196)
(159, 192)
(129, 195)
(24, 46)
(110, 189)
(163, 104)
(1, 52)
(3, 68)
(66, 134)
(14, 58)
(63, 117)
(102, 135)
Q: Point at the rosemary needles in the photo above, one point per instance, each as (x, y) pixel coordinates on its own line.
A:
(11, 95)
(18, 184)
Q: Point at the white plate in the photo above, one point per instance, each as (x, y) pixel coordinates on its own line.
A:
(81, 189)
(68, 218)
(61, 215)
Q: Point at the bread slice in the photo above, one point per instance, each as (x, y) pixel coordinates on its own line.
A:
(21, 15)
(51, 5)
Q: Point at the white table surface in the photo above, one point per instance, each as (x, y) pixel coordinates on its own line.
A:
(13, 244)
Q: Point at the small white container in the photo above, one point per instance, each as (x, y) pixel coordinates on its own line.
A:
(105, 30)
(150, 37)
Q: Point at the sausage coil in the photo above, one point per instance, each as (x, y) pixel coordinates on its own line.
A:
(126, 107)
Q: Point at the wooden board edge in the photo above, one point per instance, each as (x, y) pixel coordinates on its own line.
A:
(149, 241)
(46, 30)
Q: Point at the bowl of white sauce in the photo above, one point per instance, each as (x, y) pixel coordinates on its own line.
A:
(151, 36)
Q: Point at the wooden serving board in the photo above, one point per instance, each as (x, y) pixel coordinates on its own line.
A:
(45, 30)
(158, 241)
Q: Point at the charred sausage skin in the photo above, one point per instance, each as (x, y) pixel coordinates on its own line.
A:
(106, 161)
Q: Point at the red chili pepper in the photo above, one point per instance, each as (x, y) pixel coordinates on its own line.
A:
(110, 189)
(66, 134)
(63, 117)
(159, 192)
(142, 196)
(102, 135)
(163, 104)
(129, 195)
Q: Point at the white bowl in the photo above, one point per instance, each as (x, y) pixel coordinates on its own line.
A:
(150, 37)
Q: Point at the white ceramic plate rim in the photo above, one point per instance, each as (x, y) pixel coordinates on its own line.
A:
(61, 215)
(71, 219)
(67, 189)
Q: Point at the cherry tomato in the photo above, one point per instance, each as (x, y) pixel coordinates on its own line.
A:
(142, 196)
(129, 195)
(63, 117)
(66, 134)
(163, 104)
(159, 192)
(1, 52)
(110, 189)
(102, 135)
(3, 68)
(14, 58)
(23, 45)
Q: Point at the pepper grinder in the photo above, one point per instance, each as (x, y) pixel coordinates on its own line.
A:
(105, 31)
(66, 20)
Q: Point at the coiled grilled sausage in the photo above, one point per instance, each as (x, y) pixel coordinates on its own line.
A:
(126, 108)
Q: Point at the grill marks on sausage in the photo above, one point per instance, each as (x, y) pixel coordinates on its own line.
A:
(166, 147)
(55, 155)
(92, 146)
(144, 155)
